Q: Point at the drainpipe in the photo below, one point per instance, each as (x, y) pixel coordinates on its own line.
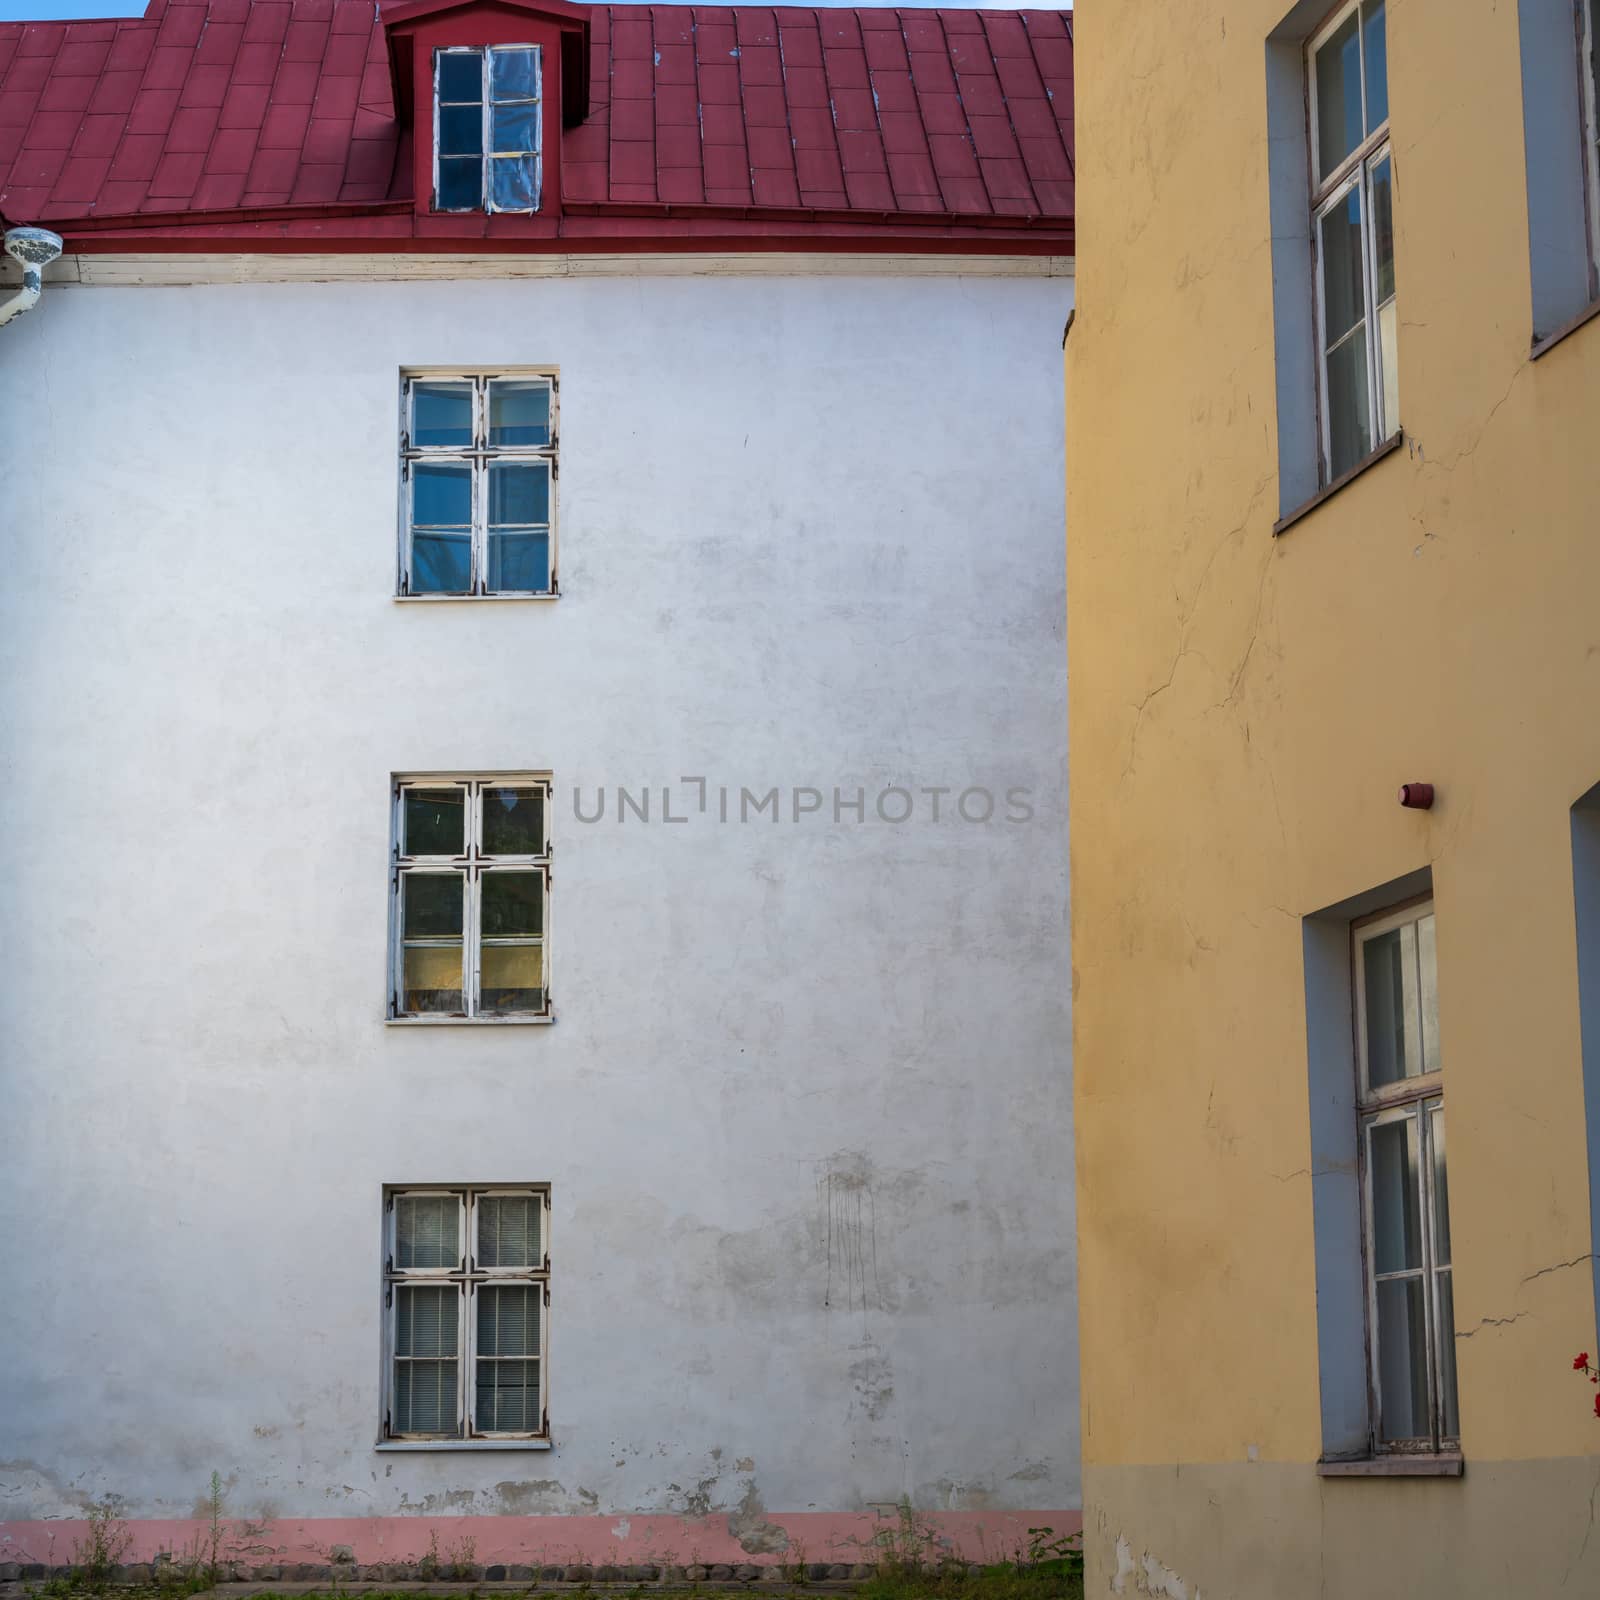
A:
(33, 249)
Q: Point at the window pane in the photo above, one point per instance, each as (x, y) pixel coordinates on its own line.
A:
(427, 1321)
(519, 412)
(1349, 424)
(1441, 1187)
(508, 1319)
(516, 128)
(513, 822)
(1338, 65)
(425, 1397)
(507, 1374)
(460, 130)
(427, 1233)
(1389, 968)
(433, 822)
(1374, 47)
(520, 561)
(431, 979)
(513, 904)
(441, 563)
(1396, 1212)
(426, 1318)
(441, 494)
(460, 183)
(512, 977)
(1402, 1359)
(1383, 292)
(508, 1231)
(514, 184)
(460, 75)
(1383, 227)
(432, 904)
(507, 1398)
(1450, 1415)
(1343, 298)
(441, 415)
(1428, 984)
(515, 74)
(519, 493)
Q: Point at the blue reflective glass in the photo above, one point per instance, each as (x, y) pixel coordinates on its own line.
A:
(1338, 65)
(441, 494)
(515, 74)
(441, 563)
(520, 561)
(515, 183)
(515, 128)
(1374, 47)
(460, 75)
(460, 183)
(519, 412)
(460, 130)
(519, 493)
(441, 415)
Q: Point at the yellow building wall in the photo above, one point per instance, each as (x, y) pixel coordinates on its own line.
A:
(1243, 710)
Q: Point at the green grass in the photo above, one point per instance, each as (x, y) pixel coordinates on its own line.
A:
(1060, 1579)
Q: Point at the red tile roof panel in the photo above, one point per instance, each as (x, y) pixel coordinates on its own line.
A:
(202, 109)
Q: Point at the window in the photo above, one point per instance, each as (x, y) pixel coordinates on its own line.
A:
(466, 1296)
(1406, 1218)
(477, 484)
(1352, 230)
(486, 145)
(471, 899)
(1589, 62)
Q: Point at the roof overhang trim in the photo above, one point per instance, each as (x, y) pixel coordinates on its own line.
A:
(400, 23)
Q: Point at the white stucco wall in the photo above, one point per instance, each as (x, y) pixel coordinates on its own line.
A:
(806, 1109)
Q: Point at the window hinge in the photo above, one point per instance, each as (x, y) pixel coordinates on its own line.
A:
(388, 1297)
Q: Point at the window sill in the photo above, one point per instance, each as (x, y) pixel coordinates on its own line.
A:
(1551, 340)
(466, 599)
(1371, 459)
(395, 1445)
(470, 1022)
(1395, 1466)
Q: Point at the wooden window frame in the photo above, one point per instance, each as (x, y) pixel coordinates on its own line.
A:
(1415, 1097)
(471, 867)
(1328, 190)
(480, 456)
(467, 1277)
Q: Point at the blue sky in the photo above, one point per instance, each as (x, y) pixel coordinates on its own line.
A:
(42, 10)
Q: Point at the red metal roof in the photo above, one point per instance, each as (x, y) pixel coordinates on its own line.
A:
(273, 124)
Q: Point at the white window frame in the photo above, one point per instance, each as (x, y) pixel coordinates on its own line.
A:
(1415, 1097)
(471, 866)
(487, 53)
(479, 455)
(1328, 191)
(1588, 24)
(467, 1276)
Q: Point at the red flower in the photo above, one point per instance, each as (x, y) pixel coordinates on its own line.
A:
(1580, 1362)
(1597, 1405)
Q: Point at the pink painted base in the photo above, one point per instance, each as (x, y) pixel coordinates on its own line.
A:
(560, 1540)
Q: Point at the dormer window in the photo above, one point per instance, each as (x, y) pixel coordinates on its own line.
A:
(487, 111)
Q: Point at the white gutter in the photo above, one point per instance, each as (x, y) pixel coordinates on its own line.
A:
(33, 249)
